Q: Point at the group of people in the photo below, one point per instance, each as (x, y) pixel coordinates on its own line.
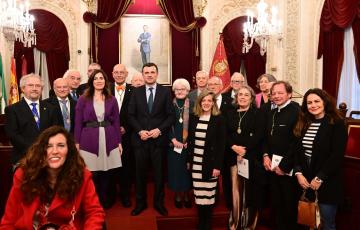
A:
(257, 144)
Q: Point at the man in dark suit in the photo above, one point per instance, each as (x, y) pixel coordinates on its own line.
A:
(73, 78)
(215, 85)
(27, 118)
(151, 114)
(122, 92)
(93, 66)
(64, 104)
(278, 142)
(201, 79)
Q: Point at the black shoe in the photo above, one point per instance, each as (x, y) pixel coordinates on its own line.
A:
(138, 209)
(161, 210)
(187, 203)
(126, 202)
(178, 203)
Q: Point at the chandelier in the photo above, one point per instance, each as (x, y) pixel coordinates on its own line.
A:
(16, 23)
(262, 30)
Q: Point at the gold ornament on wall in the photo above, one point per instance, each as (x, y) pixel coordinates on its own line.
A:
(200, 8)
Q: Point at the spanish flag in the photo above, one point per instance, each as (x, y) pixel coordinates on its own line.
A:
(220, 65)
(14, 89)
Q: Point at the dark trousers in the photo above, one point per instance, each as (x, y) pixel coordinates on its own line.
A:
(204, 215)
(226, 184)
(144, 155)
(101, 181)
(123, 175)
(284, 201)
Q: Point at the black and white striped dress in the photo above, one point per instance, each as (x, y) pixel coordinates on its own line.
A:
(204, 190)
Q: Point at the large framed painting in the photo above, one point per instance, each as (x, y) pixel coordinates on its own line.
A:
(146, 38)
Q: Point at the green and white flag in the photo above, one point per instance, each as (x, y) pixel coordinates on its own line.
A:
(3, 98)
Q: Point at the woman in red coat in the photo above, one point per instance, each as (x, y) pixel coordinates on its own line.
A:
(52, 187)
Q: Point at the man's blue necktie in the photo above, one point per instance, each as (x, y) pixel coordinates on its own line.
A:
(65, 114)
(36, 114)
(150, 99)
(73, 95)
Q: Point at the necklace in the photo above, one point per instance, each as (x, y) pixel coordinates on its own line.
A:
(240, 120)
(181, 111)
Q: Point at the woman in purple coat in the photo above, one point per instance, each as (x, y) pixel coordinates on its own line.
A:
(97, 131)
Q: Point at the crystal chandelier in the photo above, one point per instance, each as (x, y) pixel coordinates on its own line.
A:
(262, 30)
(16, 23)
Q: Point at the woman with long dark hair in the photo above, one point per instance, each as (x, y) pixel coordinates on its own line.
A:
(97, 132)
(319, 151)
(52, 187)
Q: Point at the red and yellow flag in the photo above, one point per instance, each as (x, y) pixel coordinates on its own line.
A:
(220, 65)
(14, 89)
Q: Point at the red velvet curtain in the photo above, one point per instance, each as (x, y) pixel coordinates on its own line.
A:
(52, 39)
(335, 17)
(185, 34)
(105, 32)
(356, 33)
(255, 64)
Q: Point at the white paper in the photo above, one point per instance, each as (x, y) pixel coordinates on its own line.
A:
(275, 161)
(178, 150)
(243, 168)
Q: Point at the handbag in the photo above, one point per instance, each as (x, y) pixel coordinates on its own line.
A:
(308, 212)
(52, 226)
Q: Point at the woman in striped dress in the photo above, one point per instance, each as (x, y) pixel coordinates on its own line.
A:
(319, 152)
(206, 148)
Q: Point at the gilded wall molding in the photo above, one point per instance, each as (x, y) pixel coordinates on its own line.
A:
(318, 63)
(291, 43)
(65, 12)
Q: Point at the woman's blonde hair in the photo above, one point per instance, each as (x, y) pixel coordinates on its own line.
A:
(197, 108)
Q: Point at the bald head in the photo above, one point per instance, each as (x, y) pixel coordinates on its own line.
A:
(61, 88)
(120, 74)
(137, 80)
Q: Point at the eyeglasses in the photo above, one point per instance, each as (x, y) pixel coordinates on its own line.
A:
(213, 84)
(237, 82)
(34, 85)
(180, 90)
(119, 72)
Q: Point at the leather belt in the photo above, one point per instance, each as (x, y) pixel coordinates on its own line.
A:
(97, 124)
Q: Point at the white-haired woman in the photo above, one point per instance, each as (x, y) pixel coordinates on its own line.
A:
(179, 178)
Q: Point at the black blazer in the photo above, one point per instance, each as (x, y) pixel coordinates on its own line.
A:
(124, 107)
(162, 115)
(225, 103)
(20, 125)
(279, 136)
(81, 89)
(53, 101)
(326, 160)
(214, 144)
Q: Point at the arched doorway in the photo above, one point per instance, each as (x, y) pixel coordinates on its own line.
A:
(52, 40)
(254, 64)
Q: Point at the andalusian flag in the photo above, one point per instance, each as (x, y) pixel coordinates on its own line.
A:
(220, 65)
(3, 98)
(14, 89)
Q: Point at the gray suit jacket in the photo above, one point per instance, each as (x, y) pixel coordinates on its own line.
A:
(192, 97)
